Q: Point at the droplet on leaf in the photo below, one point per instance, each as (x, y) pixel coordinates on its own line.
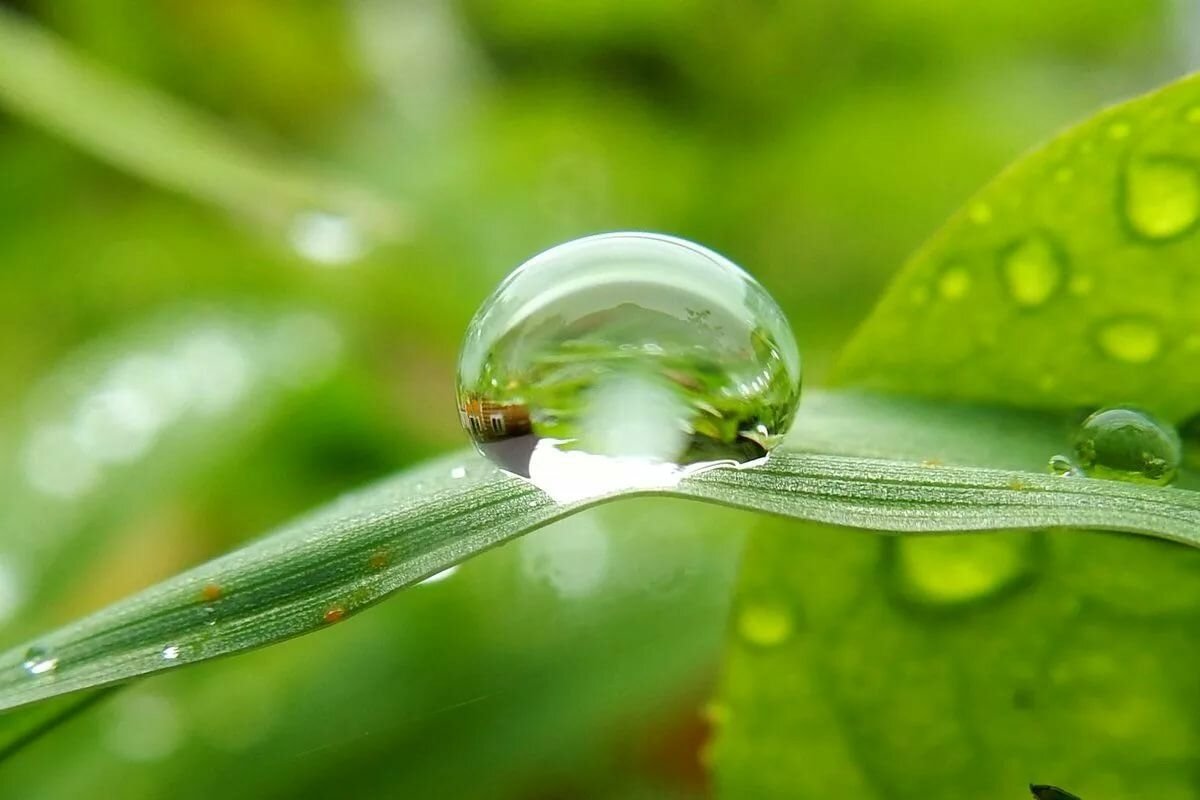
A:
(39, 660)
(1134, 340)
(1128, 444)
(1064, 467)
(626, 360)
(1032, 270)
(1161, 197)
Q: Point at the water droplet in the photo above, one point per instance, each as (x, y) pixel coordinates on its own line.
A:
(1119, 130)
(980, 213)
(1032, 270)
(171, 652)
(1128, 444)
(1134, 340)
(1161, 197)
(327, 239)
(438, 577)
(958, 569)
(765, 624)
(1064, 467)
(458, 473)
(39, 661)
(626, 360)
(209, 615)
(954, 282)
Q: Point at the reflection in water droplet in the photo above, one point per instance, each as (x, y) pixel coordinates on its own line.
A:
(1161, 197)
(1128, 444)
(954, 282)
(765, 623)
(327, 239)
(958, 569)
(626, 360)
(39, 660)
(1064, 467)
(1032, 270)
(1134, 340)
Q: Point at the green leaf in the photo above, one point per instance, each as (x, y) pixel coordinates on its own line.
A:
(975, 666)
(1070, 280)
(361, 548)
(163, 141)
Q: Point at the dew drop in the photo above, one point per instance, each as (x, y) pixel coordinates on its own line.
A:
(947, 570)
(765, 624)
(171, 652)
(1161, 197)
(1064, 467)
(954, 282)
(1119, 130)
(1128, 444)
(39, 661)
(626, 360)
(1032, 270)
(980, 213)
(1134, 340)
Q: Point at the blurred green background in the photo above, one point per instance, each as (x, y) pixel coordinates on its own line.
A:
(192, 352)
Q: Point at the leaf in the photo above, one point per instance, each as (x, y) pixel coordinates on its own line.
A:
(974, 666)
(151, 135)
(365, 546)
(1070, 280)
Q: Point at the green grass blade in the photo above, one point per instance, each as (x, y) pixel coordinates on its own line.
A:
(367, 545)
(151, 135)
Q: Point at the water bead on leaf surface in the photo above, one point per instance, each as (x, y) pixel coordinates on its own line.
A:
(626, 360)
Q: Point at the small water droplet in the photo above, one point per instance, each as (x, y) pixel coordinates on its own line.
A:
(1064, 467)
(765, 624)
(954, 282)
(1161, 197)
(958, 569)
(626, 360)
(1134, 340)
(1128, 444)
(39, 661)
(209, 615)
(980, 213)
(1032, 270)
(458, 473)
(171, 652)
(327, 239)
(438, 577)
(1119, 130)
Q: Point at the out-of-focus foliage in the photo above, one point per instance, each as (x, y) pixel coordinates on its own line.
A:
(816, 143)
(1056, 656)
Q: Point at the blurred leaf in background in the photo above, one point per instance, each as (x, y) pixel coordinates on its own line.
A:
(816, 143)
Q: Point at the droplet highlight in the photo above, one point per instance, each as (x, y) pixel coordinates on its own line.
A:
(39, 661)
(1161, 197)
(626, 360)
(1133, 340)
(1032, 270)
(765, 623)
(171, 652)
(1128, 444)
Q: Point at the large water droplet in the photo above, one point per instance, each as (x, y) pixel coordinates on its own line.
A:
(1161, 197)
(1032, 270)
(1134, 340)
(39, 660)
(626, 360)
(1128, 444)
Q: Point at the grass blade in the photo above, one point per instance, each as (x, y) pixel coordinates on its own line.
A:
(361, 548)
